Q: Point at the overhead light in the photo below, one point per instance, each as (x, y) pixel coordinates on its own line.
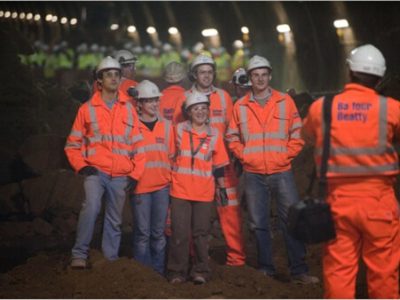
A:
(173, 30)
(29, 16)
(283, 28)
(341, 23)
(1, 13)
(37, 17)
(7, 14)
(49, 17)
(209, 32)
(73, 21)
(64, 20)
(114, 26)
(54, 19)
(151, 30)
(245, 29)
(131, 28)
(22, 15)
(14, 15)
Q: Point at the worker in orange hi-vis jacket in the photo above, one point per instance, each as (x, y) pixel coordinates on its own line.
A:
(150, 199)
(264, 134)
(128, 65)
(199, 163)
(362, 167)
(103, 146)
(203, 74)
(173, 95)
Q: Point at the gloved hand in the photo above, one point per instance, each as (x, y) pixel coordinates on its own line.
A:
(223, 196)
(131, 186)
(88, 170)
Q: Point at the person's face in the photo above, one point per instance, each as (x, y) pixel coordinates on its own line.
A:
(111, 80)
(149, 107)
(260, 79)
(128, 71)
(204, 76)
(199, 113)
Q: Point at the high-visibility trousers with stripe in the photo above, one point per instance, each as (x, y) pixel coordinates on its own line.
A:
(230, 218)
(366, 216)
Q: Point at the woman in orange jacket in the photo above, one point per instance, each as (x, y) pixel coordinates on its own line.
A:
(200, 150)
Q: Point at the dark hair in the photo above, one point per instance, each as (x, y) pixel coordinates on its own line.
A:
(364, 79)
(100, 73)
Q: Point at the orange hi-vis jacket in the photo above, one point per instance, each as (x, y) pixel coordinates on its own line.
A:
(171, 103)
(265, 139)
(364, 125)
(220, 108)
(106, 139)
(159, 147)
(196, 181)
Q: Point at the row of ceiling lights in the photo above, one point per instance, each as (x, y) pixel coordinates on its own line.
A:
(37, 17)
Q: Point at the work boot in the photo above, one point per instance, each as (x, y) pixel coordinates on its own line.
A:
(199, 279)
(304, 279)
(78, 263)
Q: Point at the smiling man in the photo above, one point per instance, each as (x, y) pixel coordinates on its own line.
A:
(264, 134)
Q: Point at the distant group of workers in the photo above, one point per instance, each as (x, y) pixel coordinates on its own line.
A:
(151, 61)
(173, 154)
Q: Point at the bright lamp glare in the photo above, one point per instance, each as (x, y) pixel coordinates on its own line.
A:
(64, 20)
(54, 19)
(37, 17)
(283, 28)
(1, 13)
(245, 30)
(151, 30)
(14, 15)
(73, 21)
(209, 32)
(49, 17)
(173, 30)
(22, 15)
(131, 29)
(29, 16)
(114, 26)
(342, 23)
(7, 14)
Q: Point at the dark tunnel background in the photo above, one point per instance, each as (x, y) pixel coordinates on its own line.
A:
(319, 53)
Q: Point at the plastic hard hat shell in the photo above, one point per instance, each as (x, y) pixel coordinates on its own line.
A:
(108, 63)
(125, 57)
(147, 89)
(257, 62)
(367, 59)
(202, 60)
(174, 72)
(196, 98)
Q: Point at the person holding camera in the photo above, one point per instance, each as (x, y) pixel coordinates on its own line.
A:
(241, 83)
(103, 147)
(264, 134)
(202, 73)
(199, 163)
(150, 199)
(362, 168)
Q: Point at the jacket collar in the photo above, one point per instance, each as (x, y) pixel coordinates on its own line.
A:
(97, 100)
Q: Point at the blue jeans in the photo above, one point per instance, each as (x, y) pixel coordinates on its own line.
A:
(150, 215)
(259, 189)
(95, 187)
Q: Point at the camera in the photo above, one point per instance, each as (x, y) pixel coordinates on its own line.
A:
(133, 92)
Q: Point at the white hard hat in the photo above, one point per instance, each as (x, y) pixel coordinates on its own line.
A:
(202, 60)
(196, 98)
(147, 89)
(125, 57)
(174, 72)
(108, 63)
(167, 47)
(94, 47)
(257, 62)
(240, 78)
(367, 59)
(237, 44)
(198, 47)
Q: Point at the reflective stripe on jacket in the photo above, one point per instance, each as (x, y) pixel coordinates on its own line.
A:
(158, 145)
(196, 182)
(106, 139)
(364, 125)
(265, 139)
(171, 103)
